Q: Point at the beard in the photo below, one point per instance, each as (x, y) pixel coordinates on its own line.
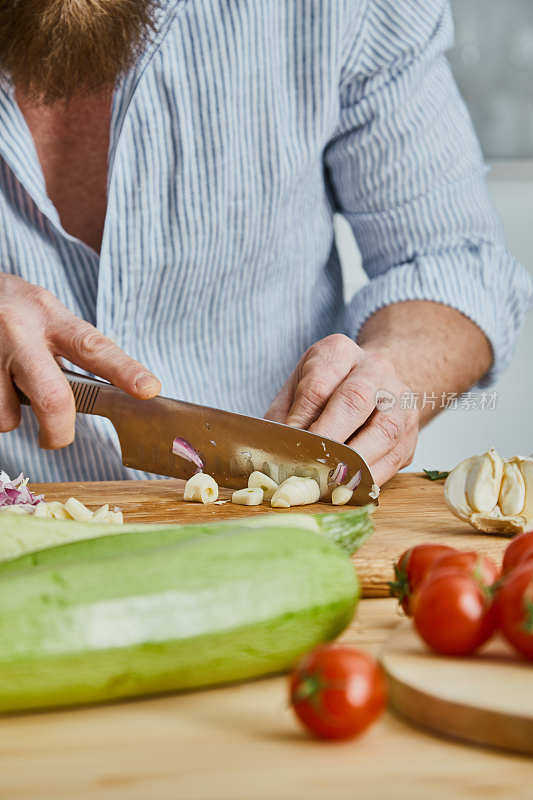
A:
(56, 49)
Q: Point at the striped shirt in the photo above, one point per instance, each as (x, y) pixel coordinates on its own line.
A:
(240, 130)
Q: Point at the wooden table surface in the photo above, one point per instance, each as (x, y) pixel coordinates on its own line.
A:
(242, 742)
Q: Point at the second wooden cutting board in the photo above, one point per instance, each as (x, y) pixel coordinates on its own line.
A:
(411, 511)
(485, 698)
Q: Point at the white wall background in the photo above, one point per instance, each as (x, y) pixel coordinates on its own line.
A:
(458, 433)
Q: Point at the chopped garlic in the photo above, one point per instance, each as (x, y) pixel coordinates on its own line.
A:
(341, 495)
(248, 497)
(101, 514)
(58, 511)
(201, 488)
(42, 510)
(296, 491)
(77, 510)
(258, 480)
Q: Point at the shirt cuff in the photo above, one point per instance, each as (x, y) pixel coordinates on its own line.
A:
(482, 281)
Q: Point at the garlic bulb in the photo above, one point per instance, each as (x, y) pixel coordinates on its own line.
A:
(493, 494)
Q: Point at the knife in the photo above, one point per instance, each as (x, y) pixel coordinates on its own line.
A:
(231, 446)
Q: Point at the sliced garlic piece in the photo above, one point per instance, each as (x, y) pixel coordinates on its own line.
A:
(258, 480)
(296, 491)
(341, 495)
(102, 514)
(374, 491)
(42, 510)
(77, 510)
(201, 488)
(57, 510)
(483, 482)
(455, 488)
(248, 497)
(513, 490)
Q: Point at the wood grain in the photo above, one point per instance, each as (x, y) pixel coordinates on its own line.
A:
(411, 511)
(485, 699)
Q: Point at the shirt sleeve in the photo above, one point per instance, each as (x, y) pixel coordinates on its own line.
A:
(406, 170)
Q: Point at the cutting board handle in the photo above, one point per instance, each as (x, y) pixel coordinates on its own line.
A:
(90, 394)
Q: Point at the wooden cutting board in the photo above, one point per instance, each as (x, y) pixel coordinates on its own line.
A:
(485, 699)
(411, 511)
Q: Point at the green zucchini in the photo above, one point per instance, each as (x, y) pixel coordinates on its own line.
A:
(348, 528)
(205, 610)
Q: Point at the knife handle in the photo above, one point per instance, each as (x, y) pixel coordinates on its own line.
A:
(90, 394)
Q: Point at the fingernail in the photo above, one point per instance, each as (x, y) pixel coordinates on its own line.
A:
(146, 383)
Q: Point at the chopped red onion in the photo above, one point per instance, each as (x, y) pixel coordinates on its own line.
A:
(354, 482)
(15, 492)
(339, 473)
(182, 448)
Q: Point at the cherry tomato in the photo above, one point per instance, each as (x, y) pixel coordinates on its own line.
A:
(520, 549)
(411, 569)
(514, 603)
(480, 567)
(337, 691)
(452, 613)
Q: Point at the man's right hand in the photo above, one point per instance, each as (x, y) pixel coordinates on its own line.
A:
(36, 329)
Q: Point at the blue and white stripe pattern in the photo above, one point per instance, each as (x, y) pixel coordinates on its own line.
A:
(239, 131)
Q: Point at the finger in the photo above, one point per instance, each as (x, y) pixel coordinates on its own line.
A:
(351, 404)
(37, 374)
(324, 367)
(388, 466)
(84, 345)
(9, 405)
(382, 433)
(279, 408)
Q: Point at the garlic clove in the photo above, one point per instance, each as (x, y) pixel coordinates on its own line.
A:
(500, 524)
(526, 469)
(341, 495)
(251, 496)
(258, 480)
(455, 491)
(513, 489)
(483, 482)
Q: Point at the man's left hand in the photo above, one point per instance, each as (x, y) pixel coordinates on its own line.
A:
(333, 392)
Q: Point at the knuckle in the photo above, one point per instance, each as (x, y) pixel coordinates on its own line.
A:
(41, 297)
(395, 459)
(87, 342)
(312, 394)
(54, 398)
(334, 347)
(359, 399)
(338, 346)
(9, 420)
(389, 428)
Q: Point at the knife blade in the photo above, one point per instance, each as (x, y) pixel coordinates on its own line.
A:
(230, 445)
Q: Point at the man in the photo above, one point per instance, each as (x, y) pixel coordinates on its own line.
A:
(168, 174)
